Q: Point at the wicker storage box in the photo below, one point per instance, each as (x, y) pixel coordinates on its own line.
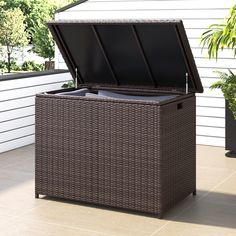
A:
(124, 153)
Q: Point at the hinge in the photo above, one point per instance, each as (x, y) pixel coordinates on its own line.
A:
(186, 81)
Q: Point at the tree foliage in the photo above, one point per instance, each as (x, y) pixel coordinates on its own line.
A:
(12, 31)
(43, 43)
(37, 13)
(220, 36)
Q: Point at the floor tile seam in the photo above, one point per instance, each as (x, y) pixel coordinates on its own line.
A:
(68, 226)
(120, 227)
(194, 203)
(217, 185)
(215, 167)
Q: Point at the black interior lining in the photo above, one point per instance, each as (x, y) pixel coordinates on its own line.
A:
(67, 55)
(124, 54)
(142, 52)
(101, 45)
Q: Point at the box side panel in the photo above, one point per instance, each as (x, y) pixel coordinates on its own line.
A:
(178, 151)
(99, 151)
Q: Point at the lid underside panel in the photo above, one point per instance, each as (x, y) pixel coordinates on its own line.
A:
(164, 55)
(87, 54)
(124, 55)
(149, 55)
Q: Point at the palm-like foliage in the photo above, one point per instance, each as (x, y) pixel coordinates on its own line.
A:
(220, 36)
(227, 84)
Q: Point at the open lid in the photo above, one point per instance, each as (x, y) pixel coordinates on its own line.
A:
(151, 54)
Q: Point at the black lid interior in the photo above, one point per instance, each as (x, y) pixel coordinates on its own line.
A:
(144, 54)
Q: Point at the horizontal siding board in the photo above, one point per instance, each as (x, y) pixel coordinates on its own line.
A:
(210, 131)
(189, 22)
(212, 141)
(210, 102)
(33, 81)
(210, 121)
(211, 112)
(17, 133)
(210, 93)
(28, 91)
(16, 143)
(207, 82)
(220, 63)
(209, 72)
(16, 103)
(160, 13)
(17, 123)
(17, 113)
(17, 107)
(198, 52)
(119, 4)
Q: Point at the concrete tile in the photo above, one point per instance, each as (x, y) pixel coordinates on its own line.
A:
(205, 217)
(189, 229)
(225, 193)
(19, 198)
(26, 165)
(22, 227)
(208, 156)
(4, 219)
(16, 156)
(208, 213)
(209, 177)
(95, 219)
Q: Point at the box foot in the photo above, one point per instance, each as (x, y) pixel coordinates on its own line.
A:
(194, 193)
(36, 195)
(231, 154)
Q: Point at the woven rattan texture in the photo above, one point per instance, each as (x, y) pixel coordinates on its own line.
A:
(120, 154)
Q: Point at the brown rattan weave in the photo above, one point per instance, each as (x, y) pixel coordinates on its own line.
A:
(120, 153)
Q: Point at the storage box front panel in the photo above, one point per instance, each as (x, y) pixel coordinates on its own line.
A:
(99, 151)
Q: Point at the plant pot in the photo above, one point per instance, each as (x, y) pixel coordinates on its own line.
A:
(49, 65)
(230, 133)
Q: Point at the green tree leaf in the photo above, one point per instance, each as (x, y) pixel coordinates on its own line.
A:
(12, 31)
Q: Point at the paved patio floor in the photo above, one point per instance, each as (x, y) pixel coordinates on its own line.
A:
(211, 213)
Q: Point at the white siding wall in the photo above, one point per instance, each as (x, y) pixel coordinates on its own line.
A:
(197, 15)
(17, 107)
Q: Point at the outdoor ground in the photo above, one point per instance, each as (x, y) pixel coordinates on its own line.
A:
(211, 213)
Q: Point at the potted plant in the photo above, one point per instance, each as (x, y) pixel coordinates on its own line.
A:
(216, 38)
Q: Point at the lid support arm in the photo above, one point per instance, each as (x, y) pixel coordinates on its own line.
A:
(148, 67)
(186, 77)
(184, 56)
(105, 54)
(67, 56)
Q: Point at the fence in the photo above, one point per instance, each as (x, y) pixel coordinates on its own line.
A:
(17, 105)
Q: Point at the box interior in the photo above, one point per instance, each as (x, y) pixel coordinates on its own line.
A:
(85, 92)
